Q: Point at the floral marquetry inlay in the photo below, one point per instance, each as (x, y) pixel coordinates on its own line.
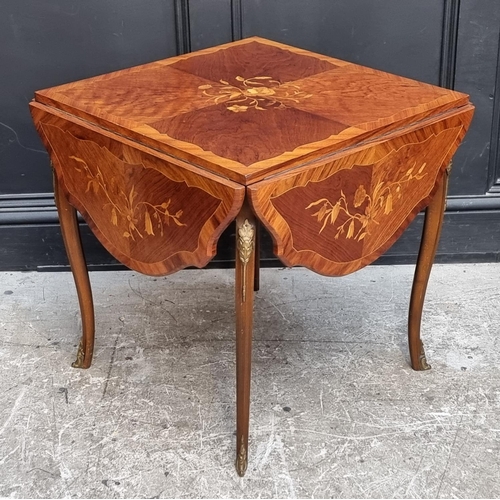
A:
(258, 92)
(138, 218)
(364, 207)
(339, 216)
(153, 215)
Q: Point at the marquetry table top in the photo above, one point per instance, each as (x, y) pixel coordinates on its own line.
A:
(252, 108)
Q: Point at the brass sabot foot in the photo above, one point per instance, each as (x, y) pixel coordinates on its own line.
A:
(423, 360)
(242, 459)
(80, 357)
(241, 466)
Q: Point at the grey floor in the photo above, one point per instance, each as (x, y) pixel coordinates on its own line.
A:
(336, 409)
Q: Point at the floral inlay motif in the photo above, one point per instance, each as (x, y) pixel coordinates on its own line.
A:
(258, 92)
(137, 217)
(371, 206)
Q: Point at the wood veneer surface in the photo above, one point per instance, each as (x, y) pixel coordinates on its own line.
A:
(252, 108)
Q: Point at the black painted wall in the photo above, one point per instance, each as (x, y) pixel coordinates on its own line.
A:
(453, 43)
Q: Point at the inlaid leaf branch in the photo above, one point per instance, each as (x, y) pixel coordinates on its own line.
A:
(126, 212)
(329, 213)
(371, 207)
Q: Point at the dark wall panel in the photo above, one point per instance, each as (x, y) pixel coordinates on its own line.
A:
(476, 74)
(48, 42)
(399, 36)
(210, 23)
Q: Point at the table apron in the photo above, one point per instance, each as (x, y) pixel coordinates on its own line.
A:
(339, 215)
(151, 212)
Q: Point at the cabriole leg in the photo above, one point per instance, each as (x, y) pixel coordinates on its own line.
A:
(73, 244)
(245, 270)
(428, 246)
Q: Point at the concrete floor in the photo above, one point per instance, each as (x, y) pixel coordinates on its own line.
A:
(336, 409)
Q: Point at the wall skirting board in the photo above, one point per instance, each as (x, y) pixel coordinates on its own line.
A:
(31, 237)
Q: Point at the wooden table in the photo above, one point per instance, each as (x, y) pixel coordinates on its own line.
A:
(334, 159)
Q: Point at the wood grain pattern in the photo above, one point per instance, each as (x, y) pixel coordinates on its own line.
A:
(428, 246)
(255, 58)
(337, 216)
(151, 212)
(73, 244)
(244, 299)
(290, 106)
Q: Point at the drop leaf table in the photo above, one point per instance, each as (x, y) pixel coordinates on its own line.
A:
(332, 158)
